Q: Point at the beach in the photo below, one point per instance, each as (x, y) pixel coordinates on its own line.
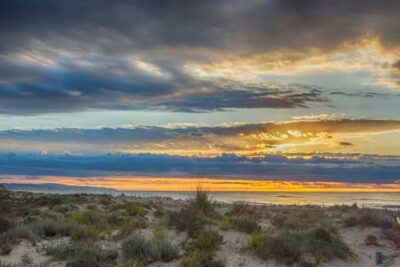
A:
(80, 229)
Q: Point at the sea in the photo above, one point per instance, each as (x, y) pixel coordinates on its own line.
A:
(378, 200)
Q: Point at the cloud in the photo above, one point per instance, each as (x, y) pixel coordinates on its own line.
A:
(313, 135)
(207, 24)
(351, 169)
(73, 56)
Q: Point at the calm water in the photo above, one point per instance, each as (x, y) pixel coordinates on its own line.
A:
(373, 200)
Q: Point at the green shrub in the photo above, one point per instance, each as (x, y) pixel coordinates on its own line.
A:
(268, 247)
(206, 239)
(287, 247)
(26, 260)
(247, 225)
(159, 212)
(129, 225)
(225, 224)
(243, 209)
(187, 219)
(201, 259)
(19, 232)
(133, 263)
(49, 228)
(159, 233)
(83, 255)
(84, 232)
(140, 249)
(131, 209)
(3, 264)
(202, 202)
(90, 217)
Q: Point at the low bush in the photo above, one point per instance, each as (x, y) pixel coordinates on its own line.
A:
(269, 247)
(368, 218)
(200, 258)
(90, 217)
(247, 225)
(202, 202)
(187, 219)
(130, 209)
(206, 240)
(225, 224)
(159, 233)
(83, 255)
(147, 251)
(289, 246)
(84, 232)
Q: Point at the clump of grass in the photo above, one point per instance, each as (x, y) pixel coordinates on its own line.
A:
(288, 247)
(147, 251)
(130, 224)
(225, 224)
(368, 218)
(26, 260)
(37, 230)
(202, 202)
(50, 228)
(299, 218)
(187, 219)
(245, 224)
(159, 233)
(19, 232)
(3, 264)
(199, 258)
(269, 247)
(159, 212)
(132, 263)
(130, 209)
(90, 217)
(78, 255)
(205, 240)
(84, 232)
(201, 250)
(243, 209)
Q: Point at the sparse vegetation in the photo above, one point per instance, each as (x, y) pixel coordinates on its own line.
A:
(147, 251)
(78, 255)
(100, 230)
(202, 202)
(187, 219)
(200, 258)
(288, 247)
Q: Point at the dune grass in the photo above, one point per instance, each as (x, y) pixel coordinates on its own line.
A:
(289, 247)
(146, 251)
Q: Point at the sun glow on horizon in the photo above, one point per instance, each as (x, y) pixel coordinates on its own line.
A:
(124, 183)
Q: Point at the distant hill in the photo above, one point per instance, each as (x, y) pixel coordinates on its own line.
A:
(57, 188)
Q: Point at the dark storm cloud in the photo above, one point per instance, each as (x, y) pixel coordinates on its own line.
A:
(358, 169)
(42, 43)
(212, 24)
(81, 89)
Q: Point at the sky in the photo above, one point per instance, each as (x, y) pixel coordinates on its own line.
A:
(257, 95)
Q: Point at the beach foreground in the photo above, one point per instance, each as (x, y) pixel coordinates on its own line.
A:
(103, 230)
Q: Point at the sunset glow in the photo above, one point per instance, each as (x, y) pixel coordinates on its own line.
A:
(221, 185)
